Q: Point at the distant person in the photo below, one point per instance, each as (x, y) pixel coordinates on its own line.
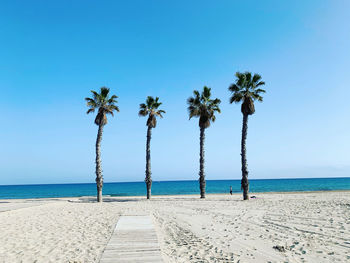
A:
(230, 190)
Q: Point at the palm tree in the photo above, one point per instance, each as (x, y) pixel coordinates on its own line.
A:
(150, 109)
(105, 105)
(203, 107)
(246, 90)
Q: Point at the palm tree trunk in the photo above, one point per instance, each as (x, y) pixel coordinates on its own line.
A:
(99, 178)
(201, 163)
(148, 178)
(244, 182)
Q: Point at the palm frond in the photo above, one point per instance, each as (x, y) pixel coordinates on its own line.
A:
(143, 106)
(90, 110)
(216, 108)
(96, 95)
(216, 101)
(104, 92)
(256, 78)
(234, 88)
(89, 99)
(91, 103)
(240, 80)
(190, 100)
(257, 97)
(193, 111)
(236, 97)
(239, 75)
(143, 113)
(109, 111)
(260, 91)
(248, 76)
(206, 93)
(260, 83)
(149, 102)
(160, 113)
(113, 107)
(112, 99)
(196, 93)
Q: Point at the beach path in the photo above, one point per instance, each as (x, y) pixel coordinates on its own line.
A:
(18, 204)
(133, 240)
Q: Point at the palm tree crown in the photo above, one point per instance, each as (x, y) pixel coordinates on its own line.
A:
(246, 89)
(150, 108)
(202, 106)
(104, 104)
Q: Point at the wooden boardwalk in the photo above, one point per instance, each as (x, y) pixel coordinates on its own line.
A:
(134, 240)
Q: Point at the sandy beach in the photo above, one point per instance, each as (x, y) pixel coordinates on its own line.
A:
(305, 227)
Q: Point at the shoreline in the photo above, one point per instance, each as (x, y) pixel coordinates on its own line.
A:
(174, 196)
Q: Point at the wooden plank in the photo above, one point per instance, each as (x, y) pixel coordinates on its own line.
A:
(133, 240)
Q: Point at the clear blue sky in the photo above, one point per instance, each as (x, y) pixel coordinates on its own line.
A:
(54, 52)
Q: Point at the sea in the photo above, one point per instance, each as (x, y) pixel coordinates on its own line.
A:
(172, 188)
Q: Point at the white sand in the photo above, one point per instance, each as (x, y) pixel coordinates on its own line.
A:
(312, 227)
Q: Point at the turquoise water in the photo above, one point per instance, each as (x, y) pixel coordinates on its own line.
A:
(172, 187)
